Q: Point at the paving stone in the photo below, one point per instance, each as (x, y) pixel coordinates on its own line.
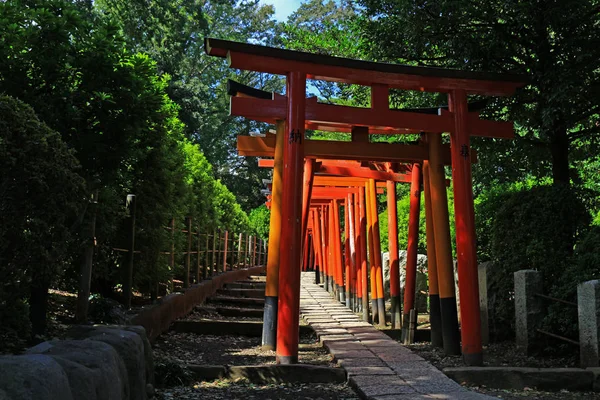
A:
(383, 342)
(369, 371)
(337, 352)
(344, 345)
(354, 324)
(368, 380)
(440, 396)
(324, 325)
(332, 331)
(369, 386)
(420, 366)
(361, 362)
(337, 336)
(344, 354)
(379, 367)
(437, 387)
(391, 355)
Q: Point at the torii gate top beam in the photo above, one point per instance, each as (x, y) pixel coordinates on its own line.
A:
(316, 66)
(269, 107)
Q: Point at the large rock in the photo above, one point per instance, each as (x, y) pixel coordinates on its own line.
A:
(130, 347)
(94, 369)
(86, 331)
(83, 381)
(422, 285)
(33, 377)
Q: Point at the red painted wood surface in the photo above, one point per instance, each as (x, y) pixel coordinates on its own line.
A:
(465, 232)
(291, 216)
(413, 240)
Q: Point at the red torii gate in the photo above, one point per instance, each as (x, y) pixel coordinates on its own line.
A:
(414, 177)
(298, 114)
(351, 168)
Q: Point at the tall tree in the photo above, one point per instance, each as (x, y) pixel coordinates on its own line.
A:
(555, 43)
(173, 32)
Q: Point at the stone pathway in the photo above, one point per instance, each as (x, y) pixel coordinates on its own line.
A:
(379, 367)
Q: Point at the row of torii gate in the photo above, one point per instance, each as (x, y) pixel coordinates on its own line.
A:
(312, 179)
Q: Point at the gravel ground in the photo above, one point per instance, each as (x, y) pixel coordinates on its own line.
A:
(494, 355)
(191, 348)
(226, 389)
(507, 354)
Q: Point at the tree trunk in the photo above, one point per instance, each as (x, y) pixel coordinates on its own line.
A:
(559, 148)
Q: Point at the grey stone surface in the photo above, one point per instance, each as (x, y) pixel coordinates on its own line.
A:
(528, 307)
(437, 396)
(369, 371)
(596, 384)
(395, 356)
(588, 312)
(362, 362)
(83, 381)
(421, 282)
(85, 331)
(379, 367)
(361, 354)
(483, 270)
(131, 349)
(33, 377)
(99, 361)
(288, 373)
(550, 379)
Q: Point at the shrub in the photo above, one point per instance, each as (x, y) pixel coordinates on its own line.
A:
(260, 219)
(40, 196)
(533, 229)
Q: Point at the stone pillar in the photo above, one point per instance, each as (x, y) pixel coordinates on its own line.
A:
(588, 311)
(484, 269)
(528, 307)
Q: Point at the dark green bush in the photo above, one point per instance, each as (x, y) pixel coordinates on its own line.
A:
(584, 266)
(40, 197)
(533, 229)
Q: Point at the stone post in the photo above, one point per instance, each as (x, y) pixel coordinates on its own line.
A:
(528, 307)
(588, 311)
(484, 269)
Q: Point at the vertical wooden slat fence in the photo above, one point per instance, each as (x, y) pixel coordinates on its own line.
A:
(215, 253)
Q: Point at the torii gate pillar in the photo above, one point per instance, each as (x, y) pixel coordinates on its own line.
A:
(269, 335)
(291, 216)
(465, 231)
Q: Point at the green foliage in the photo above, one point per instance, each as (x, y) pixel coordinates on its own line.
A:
(554, 43)
(171, 32)
(488, 204)
(583, 266)
(533, 229)
(111, 106)
(403, 208)
(40, 197)
(260, 219)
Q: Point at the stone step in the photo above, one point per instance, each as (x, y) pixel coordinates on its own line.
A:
(240, 301)
(255, 278)
(264, 374)
(213, 327)
(253, 293)
(246, 285)
(236, 312)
